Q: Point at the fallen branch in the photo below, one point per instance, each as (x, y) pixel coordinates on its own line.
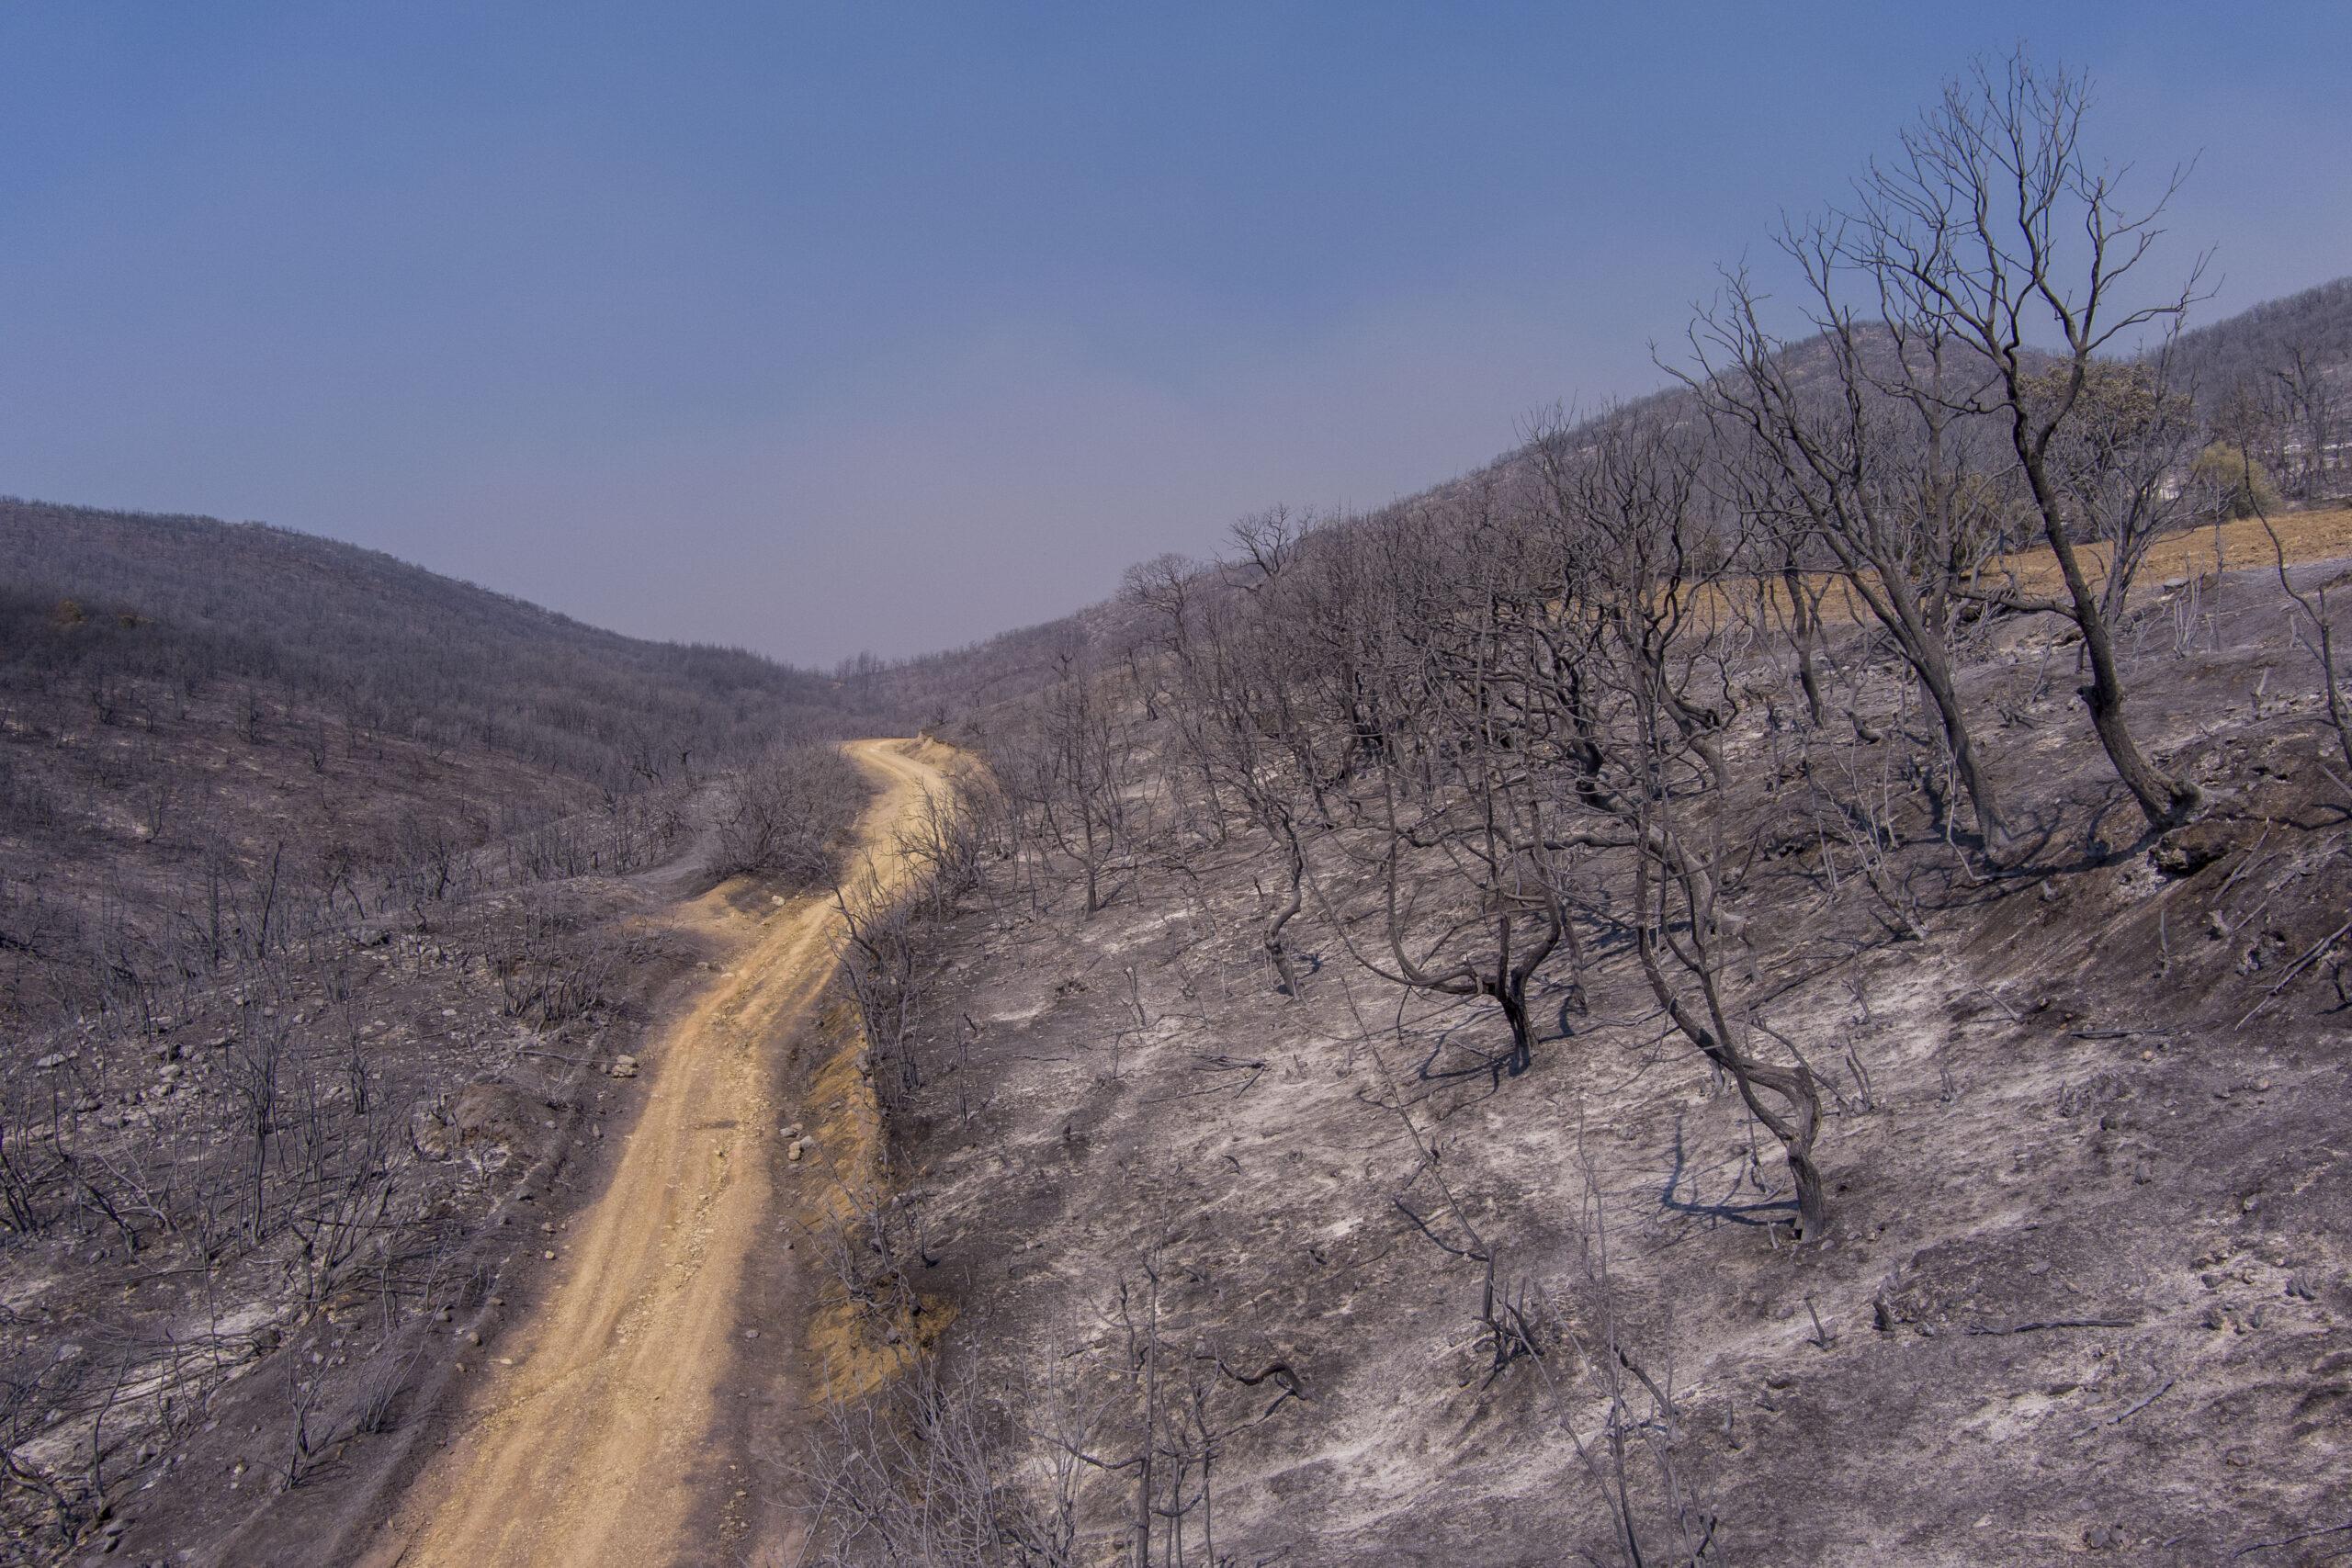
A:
(2119, 1419)
(2039, 1323)
(2291, 1539)
(2251, 856)
(2310, 953)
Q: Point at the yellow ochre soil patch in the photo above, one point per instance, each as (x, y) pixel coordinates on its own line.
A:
(857, 1339)
(2232, 546)
(2235, 546)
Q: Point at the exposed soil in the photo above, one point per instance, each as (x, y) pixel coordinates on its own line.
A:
(590, 1439)
(2180, 561)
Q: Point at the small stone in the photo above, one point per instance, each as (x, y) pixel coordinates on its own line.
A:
(2184, 851)
(750, 1334)
(549, 1256)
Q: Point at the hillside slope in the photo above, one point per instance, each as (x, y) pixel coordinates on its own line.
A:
(373, 642)
(2283, 369)
(1367, 1294)
(331, 891)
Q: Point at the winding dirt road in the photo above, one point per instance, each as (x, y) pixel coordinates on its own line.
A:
(589, 1449)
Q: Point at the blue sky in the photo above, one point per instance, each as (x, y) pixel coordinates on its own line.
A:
(816, 328)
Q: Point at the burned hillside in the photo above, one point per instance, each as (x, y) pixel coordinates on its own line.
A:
(330, 896)
(1763, 982)
(1208, 1162)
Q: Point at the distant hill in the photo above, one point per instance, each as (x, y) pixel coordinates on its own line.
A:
(2256, 344)
(191, 710)
(2283, 372)
(374, 641)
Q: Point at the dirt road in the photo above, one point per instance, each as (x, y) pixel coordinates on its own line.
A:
(587, 1447)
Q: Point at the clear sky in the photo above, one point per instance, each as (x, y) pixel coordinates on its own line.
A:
(818, 328)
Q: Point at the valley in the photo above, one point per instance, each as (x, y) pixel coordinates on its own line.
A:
(1759, 976)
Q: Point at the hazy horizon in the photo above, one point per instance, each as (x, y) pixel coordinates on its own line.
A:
(834, 330)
